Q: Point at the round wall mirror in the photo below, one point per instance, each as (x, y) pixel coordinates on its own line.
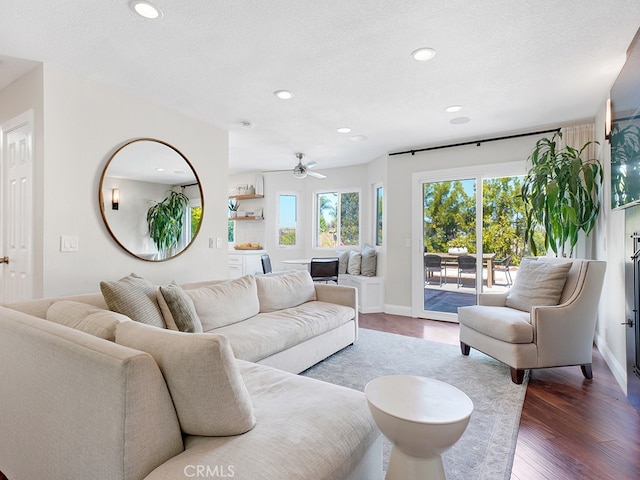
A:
(151, 199)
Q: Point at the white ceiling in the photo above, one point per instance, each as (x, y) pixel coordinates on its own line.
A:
(514, 65)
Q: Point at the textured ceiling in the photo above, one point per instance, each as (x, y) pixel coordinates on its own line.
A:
(513, 65)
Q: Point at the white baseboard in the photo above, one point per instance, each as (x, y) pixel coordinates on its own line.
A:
(397, 310)
(619, 371)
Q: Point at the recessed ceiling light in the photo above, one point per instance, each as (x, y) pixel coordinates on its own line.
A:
(283, 94)
(358, 138)
(159, 169)
(459, 120)
(146, 9)
(423, 54)
(246, 124)
(453, 108)
(343, 130)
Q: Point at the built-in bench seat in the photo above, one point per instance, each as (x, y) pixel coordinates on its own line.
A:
(370, 291)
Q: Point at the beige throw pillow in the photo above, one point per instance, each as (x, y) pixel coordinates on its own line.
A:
(134, 297)
(180, 309)
(202, 375)
(86, 318)
(285, 291)
(343, 259)
(537, 284)
(355, 259)
(368, 263)
(225, 303)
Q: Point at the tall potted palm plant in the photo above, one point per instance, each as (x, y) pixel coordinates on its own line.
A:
(165, 220)
(561, 194)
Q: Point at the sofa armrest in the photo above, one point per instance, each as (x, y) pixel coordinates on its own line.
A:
(493, 299)
(340, 295)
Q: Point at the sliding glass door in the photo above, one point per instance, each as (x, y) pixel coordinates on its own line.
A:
(449, 241)
(470, 237)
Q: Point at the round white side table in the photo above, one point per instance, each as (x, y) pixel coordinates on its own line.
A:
(422, 417)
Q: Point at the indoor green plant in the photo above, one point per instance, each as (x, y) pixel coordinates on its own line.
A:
(234, 205)
(561, 194)
(165, 220)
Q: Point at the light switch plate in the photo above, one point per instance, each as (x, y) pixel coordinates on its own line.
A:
(69, 243)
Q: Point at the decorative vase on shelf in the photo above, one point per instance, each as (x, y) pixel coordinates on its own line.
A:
(259, 185)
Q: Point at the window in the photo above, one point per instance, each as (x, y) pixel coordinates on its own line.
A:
(378, 219)
(231, 231)
(337, 219)
(287, 220)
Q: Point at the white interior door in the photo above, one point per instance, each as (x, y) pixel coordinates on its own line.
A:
(16, 205)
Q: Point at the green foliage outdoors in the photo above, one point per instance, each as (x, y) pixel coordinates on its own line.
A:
(450, 218)
(196, 218)
(287, 236)
(349, 218)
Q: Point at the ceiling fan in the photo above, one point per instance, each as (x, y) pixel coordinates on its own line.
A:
(301, 170)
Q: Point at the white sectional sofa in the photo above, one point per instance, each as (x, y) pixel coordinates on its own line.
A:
(163, 404)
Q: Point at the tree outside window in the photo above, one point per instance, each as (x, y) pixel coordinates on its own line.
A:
(338, 219)
(378, 219)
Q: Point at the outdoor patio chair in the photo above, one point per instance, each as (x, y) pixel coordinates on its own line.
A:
(466, 264)
(324, 269)
(502, 265)
(433, 263)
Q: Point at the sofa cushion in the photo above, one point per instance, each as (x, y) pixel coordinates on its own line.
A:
(343, 261)
(284, 291)
(86, 318)
(269, 333)
(134, 297)
(368, 262)
(503, 323)
(225, 303)
(180, 310)
(537, 284)
(355, 260)
(201, 372)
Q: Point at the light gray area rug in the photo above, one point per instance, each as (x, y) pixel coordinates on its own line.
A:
(486, 450)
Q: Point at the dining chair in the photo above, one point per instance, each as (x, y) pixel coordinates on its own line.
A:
(324, 269)
(433, 263)
(266, 263)
(466, 264)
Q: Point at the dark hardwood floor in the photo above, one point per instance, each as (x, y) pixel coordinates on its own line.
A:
(570, 429)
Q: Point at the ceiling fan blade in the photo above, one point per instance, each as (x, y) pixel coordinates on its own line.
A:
(311, 164)
(315, 174)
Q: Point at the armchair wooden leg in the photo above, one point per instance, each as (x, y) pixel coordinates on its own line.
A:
(464, 348)
(517, 375)
(586, 370)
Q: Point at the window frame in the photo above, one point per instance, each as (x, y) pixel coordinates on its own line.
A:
(316, 217)
(277, 225)
(378, 187)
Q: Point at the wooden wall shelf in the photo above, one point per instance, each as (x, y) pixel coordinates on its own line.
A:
(246, 218)
(248, 196)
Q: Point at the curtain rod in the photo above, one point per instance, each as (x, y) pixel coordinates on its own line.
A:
(475, 142)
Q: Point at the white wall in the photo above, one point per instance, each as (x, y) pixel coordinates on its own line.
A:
(83, 123)
(610, 246)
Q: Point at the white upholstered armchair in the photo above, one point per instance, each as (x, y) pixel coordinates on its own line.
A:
(526, 328)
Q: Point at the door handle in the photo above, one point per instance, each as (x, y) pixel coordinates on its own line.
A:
(4, 259)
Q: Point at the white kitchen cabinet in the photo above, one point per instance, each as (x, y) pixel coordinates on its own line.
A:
(245, 262)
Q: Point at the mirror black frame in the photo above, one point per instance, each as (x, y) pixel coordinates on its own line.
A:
(101, 198)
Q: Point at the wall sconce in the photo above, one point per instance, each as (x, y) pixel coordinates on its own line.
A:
(607, 121)
(115, 199)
